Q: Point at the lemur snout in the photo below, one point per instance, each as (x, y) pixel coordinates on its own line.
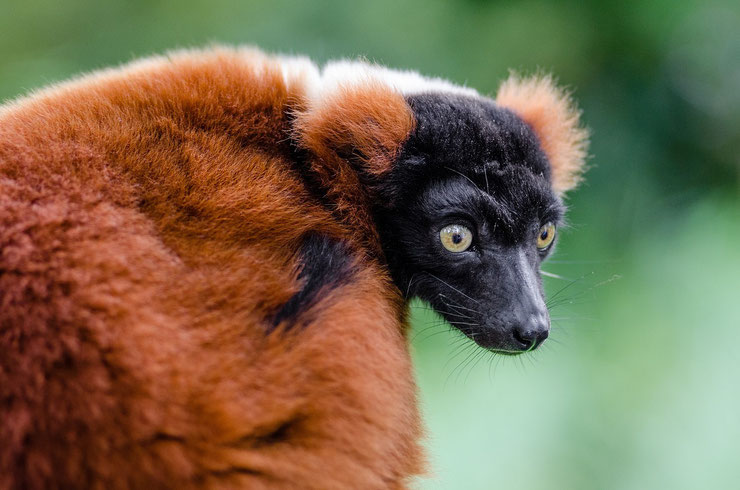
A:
(532, 332)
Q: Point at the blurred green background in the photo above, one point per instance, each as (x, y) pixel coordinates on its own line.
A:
(639, 386)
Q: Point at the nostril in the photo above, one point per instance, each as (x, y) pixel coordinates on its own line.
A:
(541, 336)
(525, 337)
(530, 335)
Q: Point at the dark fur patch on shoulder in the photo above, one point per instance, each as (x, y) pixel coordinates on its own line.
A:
(327, 263)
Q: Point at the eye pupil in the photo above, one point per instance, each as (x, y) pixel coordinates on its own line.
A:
(456, 238)
(545, 236)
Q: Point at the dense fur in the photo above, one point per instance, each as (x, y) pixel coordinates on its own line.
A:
(164, 227)
(146, 222)
(355, 133)
(552, 114)
(326, 264)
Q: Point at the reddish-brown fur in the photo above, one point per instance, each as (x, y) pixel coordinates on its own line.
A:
(149, 220)
(555, 119)
(356, 126)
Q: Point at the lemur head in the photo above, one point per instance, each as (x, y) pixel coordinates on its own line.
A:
(466, 191)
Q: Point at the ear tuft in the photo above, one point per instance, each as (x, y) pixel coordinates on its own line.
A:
(354, 132)
(364, 123)
(555, 119)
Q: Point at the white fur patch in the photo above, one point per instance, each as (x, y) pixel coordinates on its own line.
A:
(346, 74)
(299, 69)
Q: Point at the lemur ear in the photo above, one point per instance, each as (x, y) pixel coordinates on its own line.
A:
(354, 131)
(555, 119)
(361, 123)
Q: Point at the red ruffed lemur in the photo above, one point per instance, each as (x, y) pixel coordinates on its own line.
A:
(205, 260)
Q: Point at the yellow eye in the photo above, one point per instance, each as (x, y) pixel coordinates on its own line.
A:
(545, 236)
(456, 238)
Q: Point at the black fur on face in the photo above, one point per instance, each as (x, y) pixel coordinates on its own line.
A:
(472, 163)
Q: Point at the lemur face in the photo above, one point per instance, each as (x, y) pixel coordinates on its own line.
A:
(465, 191)
(474, 218)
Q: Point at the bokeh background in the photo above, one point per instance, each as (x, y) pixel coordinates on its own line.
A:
(639, 386)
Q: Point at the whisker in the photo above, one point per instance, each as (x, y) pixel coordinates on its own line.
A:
(464, 176)
(464, 317)
(433, 334)
(578, 262)
(454, 304)
(431, 326)
(451, 313)
(456, 352)
(476, 360)
(550, 340)
(458, 305)
(452, 287)
(564, 288)
(571, 318)
(411, 280)
(550, 274)
(467, 359)
(457, 310)
(496, 358)
(579, 294)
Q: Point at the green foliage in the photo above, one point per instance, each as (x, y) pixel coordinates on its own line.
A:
(638, 386)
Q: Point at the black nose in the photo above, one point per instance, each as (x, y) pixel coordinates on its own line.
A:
(531, 333)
